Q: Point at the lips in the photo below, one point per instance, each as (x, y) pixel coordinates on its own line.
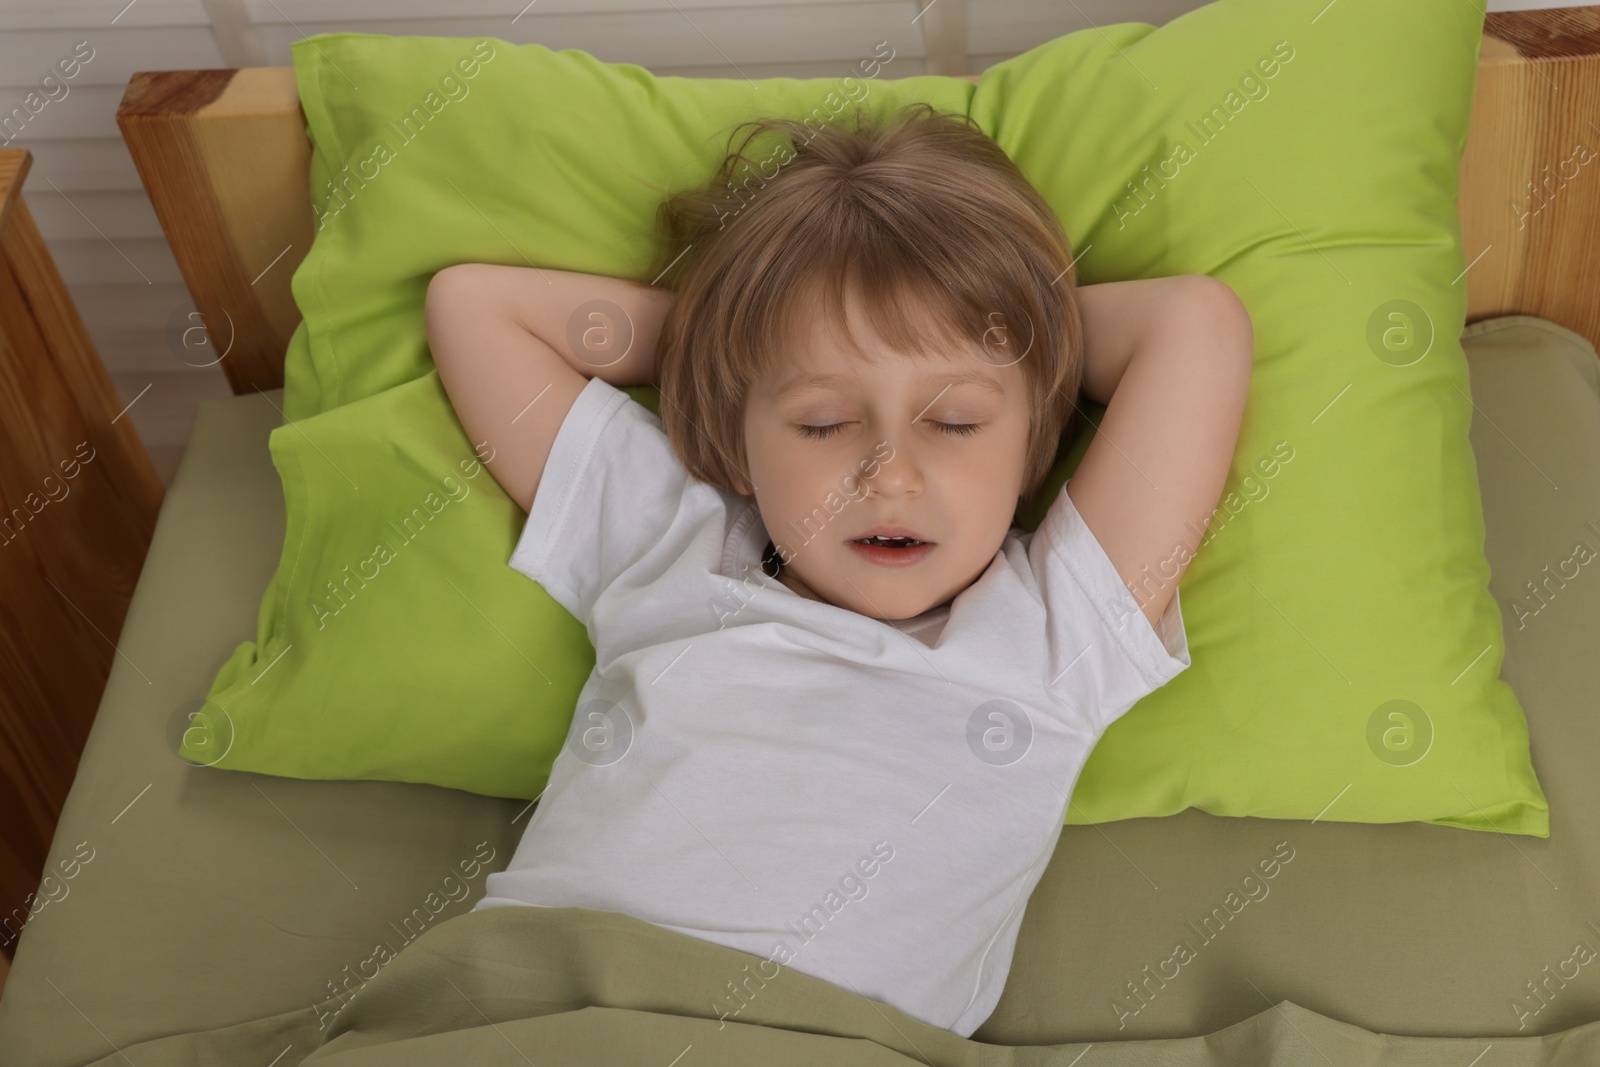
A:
(891, 546)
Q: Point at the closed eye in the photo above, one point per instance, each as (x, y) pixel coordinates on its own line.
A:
(818, 433)
(963, 428)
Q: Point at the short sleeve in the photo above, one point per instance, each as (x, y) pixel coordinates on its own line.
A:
(1103, 654)
(609, 491)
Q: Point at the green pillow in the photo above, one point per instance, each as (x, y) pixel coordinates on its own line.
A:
(1346, 650)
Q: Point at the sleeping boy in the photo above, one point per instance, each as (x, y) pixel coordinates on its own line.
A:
(839, 701)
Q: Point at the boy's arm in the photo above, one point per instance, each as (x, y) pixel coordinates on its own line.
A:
(515, 346)
(1171, 359)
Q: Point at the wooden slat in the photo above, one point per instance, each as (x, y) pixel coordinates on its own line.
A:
(83, 164)
(78, 505)
(234, 27)
(26, 56)
(107, 216)
(944, 36)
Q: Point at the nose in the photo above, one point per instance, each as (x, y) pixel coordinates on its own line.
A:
(894, 471)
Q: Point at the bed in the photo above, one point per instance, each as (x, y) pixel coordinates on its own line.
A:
(229, 917)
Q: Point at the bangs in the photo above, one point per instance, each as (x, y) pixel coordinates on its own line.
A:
(907, 317)
(921, 223)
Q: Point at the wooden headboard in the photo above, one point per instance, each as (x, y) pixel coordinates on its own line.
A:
(224, 156)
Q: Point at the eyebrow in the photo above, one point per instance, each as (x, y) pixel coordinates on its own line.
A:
(831, 381)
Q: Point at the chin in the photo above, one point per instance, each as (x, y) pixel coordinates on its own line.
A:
(899, 612)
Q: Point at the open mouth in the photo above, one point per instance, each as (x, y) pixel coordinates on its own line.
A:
(891, 551)
(890, 542)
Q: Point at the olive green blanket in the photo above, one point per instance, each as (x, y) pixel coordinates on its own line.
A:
(549, 986)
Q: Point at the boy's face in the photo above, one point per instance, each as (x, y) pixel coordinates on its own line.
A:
(886, 462)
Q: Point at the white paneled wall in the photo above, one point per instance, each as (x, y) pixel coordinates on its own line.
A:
(85, 193)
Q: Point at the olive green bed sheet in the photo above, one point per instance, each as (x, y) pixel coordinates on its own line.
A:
(219, 917)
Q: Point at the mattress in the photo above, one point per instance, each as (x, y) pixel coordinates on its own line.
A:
(202, 900)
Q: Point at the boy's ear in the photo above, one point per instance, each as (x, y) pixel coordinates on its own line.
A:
(741, 484)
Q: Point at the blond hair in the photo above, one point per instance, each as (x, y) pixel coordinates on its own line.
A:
(930, 220)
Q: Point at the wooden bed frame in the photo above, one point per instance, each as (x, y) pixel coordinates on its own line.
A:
(224, 157)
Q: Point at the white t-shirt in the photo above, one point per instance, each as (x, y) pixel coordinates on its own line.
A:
(869, 803)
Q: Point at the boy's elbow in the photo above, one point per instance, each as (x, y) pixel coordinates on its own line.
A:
(443, 306)
(446, 285)
(1226, 319)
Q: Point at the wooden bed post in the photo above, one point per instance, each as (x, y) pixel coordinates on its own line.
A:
(78, 505)
(225, 159)
(1530, 176)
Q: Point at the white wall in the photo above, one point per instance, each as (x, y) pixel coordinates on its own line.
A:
(94, 214)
